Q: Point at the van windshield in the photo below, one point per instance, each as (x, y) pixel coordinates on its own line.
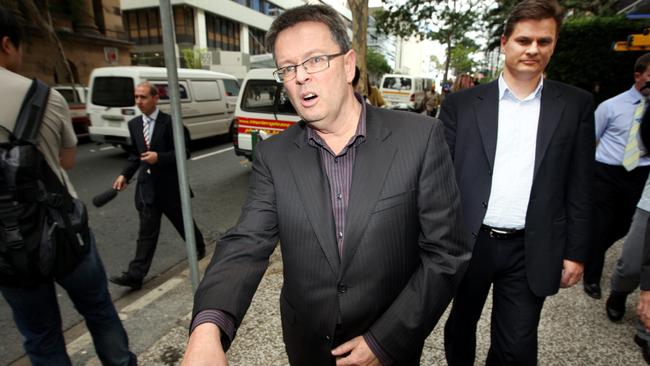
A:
(113, 91)
(263, 96)
(397, 83)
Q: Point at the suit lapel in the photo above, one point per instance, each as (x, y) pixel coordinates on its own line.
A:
(158, 129)
(372, 162)
(314, 191)
(551, 109)
(487, 120)
(138, 135)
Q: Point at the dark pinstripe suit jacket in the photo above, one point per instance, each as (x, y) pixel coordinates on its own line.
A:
(404, 251)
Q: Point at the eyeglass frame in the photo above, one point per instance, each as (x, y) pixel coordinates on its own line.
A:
(276, 73)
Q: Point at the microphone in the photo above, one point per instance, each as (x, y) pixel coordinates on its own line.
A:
(104, 197)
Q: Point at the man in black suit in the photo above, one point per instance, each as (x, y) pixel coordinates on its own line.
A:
(523, 151)
(365, 205)
(157, 191)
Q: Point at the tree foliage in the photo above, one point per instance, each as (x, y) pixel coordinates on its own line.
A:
(445, 21)
(584, 57)
(376, 63)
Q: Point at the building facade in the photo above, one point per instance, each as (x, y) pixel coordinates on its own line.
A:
(221, 35)
(91, 35)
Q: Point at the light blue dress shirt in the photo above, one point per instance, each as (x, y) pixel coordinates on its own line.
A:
(613, 120)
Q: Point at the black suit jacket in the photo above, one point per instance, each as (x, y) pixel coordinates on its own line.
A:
(158, 181)
(558, 215)
(404, 251)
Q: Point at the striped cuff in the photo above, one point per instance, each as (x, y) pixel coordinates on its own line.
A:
(222, 319)
(382, 356)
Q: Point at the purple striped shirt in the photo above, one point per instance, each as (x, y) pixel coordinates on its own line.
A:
(339, 170)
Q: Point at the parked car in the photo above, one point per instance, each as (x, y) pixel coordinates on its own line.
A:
(207, 101)
(76, 98)
(262, 106)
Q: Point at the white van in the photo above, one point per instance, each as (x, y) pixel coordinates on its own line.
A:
(404, 92)
(207, 101)
(262, 106)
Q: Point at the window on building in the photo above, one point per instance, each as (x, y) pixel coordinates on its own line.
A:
(143, 25)
(222, 33)
(263, 6)
(184, 24)
(256, 41)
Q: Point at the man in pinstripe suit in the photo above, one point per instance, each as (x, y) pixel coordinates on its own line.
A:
(364, 203)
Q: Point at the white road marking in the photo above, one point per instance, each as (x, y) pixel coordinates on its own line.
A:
(212, 153)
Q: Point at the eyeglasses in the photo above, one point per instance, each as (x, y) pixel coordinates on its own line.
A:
(311, 65)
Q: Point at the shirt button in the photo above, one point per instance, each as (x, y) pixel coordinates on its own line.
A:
(340, 234)
(484, 204)
(341, 289)
(339, 196)
(327, 338)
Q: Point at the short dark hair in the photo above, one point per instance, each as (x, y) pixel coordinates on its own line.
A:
(9, 26)
(642, 63)
(536, 10)
(310, 13)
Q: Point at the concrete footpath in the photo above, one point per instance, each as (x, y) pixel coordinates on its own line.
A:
(574, 329)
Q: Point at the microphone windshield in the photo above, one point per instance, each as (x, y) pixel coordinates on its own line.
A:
(104, 197)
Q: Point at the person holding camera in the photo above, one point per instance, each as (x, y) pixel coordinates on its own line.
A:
(622, 167)
(35, 308)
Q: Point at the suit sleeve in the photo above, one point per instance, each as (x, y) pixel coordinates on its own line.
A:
(579, 200)
(444, 256)
(133, 161)
(168, 158)
(448, 117)
(242, 254)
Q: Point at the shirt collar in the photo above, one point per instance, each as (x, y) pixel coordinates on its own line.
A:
(504, 90)
(635, 96)
(152, 117)
(360, 134)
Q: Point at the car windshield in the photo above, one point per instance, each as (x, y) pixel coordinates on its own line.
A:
(232, 87)
(112, 91)
(71, 96)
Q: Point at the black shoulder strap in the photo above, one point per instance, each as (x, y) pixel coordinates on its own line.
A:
(31, 112)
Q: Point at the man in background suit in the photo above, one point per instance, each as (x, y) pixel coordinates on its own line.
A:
(364, 203)
(523, 151)
(157, 191)
(622, 167)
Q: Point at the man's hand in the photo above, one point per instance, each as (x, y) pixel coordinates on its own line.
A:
(355, 352)
(643, 309)
(204, 347)
(120, 183)
(571, 273)
(150, 157)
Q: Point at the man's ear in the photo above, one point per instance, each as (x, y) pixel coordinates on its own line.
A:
(5, 43)
(350, 62)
